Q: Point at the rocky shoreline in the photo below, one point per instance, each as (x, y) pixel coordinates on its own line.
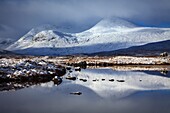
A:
(117, 60)
(27, 70)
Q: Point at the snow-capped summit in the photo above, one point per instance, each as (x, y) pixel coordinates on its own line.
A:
(36, 30)
(114, 23)
(107, 35)
(111, 24)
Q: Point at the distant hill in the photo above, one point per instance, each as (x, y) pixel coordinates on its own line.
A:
(150, 49)
(5, 52)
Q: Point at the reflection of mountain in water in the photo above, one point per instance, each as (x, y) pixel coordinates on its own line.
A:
(118, 84)
(106, 83)
(159, 73)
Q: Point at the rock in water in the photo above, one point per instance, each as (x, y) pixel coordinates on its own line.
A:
(57, 80)
(76, 93)
(71, 78)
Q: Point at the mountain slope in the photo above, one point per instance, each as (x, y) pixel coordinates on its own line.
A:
(107, 35)
(5, 52)
(149, 49)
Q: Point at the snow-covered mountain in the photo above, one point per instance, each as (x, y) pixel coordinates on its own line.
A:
(107, 35)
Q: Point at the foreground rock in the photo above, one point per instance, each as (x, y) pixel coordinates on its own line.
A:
(28, 70)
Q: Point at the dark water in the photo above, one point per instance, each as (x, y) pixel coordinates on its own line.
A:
(150, 95)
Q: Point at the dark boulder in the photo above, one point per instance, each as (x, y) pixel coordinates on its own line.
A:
(71, 78)
(76, 93)
(164, 54)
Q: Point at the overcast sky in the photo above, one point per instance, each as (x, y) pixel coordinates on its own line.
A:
(19, 16)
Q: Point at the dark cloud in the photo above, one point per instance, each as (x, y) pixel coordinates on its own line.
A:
(22, 15)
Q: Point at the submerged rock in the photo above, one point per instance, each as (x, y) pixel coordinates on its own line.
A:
(120, 80)
(95, 80)
(84, 80)
(70, 71)
(77, 69)
(76, 93)
(57, 80)
(111, 80)
(68, 67)
(71, 78)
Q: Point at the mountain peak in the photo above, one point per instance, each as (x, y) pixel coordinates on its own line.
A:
(115, 22)
(112, 23)
(38, 29)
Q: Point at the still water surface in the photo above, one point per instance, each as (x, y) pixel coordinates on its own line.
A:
(139, 92)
